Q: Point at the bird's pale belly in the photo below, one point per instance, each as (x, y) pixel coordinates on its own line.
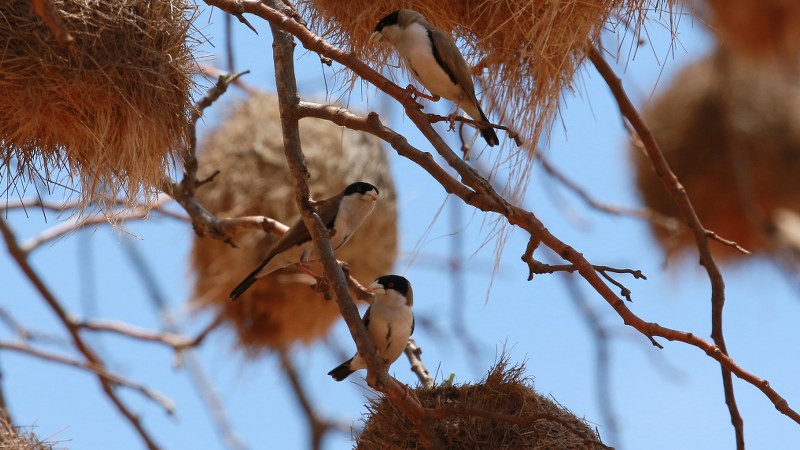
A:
(427, 71)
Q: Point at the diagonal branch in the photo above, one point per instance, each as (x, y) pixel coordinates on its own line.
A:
(100, 371)
(476, 191)
(283, 54)
(91, 357)
(678, 194)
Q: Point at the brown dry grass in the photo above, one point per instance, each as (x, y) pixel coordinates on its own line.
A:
(505, 391)
(20, 438)
(106, 116)
(731, 133)
(527, 51)
(254, 180)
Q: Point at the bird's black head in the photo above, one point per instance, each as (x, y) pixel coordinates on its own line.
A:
(396, 282)
(360, 187)
(389, 20)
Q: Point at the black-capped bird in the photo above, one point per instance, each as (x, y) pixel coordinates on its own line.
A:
(434, 60)
(389, 321)
(342, 214)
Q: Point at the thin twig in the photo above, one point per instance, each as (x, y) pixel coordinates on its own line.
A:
(668, 223)
(100, 371)
(414, 355)
(21, 259)
(318, 425)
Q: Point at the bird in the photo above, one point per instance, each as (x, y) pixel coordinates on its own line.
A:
(342, 214)
(434, 60)
(389, 321)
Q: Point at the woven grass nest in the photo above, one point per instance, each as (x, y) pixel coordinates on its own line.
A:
(247, 149)
(107, 113)
(528, 51)
(505, 391)
(20, 438)
(731, 133)
(758, 30)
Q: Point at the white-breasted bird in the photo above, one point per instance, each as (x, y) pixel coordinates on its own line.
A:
(434, 60)
(342, 214)
(389, 321)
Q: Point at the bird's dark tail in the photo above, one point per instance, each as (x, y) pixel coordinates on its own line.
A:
(251, 278)
(488, 132)
(341, 371)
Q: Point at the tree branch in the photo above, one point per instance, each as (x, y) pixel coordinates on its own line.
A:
(21, 259)
(283, 51)
(476, 191)
(678, 194)
(100, 371)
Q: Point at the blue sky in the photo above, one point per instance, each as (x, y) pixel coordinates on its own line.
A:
(662, 399)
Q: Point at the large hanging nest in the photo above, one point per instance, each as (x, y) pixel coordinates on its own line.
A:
(509, 407)
(731, 133)
(105, 113)
(254, 179)
(528, 51)
(758, 30)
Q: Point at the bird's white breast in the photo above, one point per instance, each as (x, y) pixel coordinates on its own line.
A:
(415, 48)
(392, 322)
(352, 212)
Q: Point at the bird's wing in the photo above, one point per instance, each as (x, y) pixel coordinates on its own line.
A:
(365, 319)
(298, 234)
(413, 323)
(449, 56)
(327, 210)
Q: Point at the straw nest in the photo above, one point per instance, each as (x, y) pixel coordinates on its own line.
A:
(20, 438)
(504, 392)
(527, 51)
(731, 133)
(248, 151)
(105, 114)
(758, 29)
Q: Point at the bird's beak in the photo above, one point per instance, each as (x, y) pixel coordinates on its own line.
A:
(375, 37)
(374, 197)
(376, 288)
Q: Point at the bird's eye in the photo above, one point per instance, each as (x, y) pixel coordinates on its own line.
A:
(390, 285)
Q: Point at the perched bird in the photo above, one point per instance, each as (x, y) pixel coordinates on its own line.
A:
(434, 60)
(342, 214)
(389, 321)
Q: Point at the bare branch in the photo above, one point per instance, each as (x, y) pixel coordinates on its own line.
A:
(283, 49)
(100, 371)
(319, 426)
(475, 190)
(678, 194)
(668, 223)
(414, 355)
(21, 259)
